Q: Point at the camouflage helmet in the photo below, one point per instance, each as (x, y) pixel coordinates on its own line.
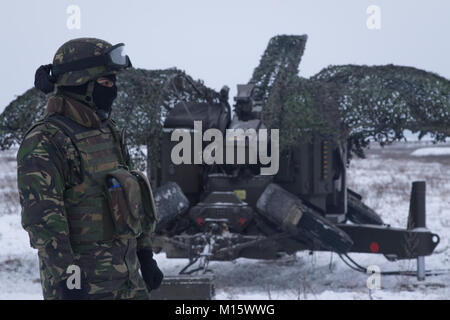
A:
(81, 60)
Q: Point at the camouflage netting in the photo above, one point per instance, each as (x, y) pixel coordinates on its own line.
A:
(381, 102)
(280, 59)
(19, 115)
(296, 106)
(302, 109)
(352, 103)
(143, 99)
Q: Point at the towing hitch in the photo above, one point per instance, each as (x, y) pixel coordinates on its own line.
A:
(414, 242)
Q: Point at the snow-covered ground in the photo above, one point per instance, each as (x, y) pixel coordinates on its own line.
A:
(431, 152)
(384, 179)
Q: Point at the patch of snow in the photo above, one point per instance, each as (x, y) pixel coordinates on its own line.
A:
(436, 151)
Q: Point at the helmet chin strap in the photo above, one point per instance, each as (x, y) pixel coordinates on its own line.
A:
(86, 97)
(89, 99)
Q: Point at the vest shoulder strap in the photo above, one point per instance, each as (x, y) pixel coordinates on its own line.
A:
(70, 129)
(40, 122)
(119, 139)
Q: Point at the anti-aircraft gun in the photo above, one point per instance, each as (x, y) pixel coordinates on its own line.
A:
(224, 210)
(305, 205)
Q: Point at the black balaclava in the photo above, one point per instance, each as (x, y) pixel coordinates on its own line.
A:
(81, 90)
(104, 97)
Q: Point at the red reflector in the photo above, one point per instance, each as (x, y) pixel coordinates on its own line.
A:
(374, 247)
(200, 221)
(241, 221)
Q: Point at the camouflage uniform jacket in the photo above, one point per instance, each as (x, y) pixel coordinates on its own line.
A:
(49, 165)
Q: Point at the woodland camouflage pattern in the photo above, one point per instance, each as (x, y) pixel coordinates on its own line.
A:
(66, 215)
(77, 49)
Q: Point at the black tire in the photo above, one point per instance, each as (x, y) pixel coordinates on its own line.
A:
(329, 236)
(305, 224)
(359, 213)
(170, 203)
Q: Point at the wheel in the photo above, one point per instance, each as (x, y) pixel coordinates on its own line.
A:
(170, 202)
(359, 213)
(329, 236)
(301, 221)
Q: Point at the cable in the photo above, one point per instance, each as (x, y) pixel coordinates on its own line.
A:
(350, 266)
(183, 271)
(359, 268)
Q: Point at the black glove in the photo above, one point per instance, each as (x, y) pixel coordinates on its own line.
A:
(64, 293)
(150, 272)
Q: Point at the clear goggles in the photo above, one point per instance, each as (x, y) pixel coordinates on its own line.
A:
(114, 58)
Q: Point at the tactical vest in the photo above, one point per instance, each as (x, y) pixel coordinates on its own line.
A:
(109, 201)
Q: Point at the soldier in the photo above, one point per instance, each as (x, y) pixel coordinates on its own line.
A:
(82, 204)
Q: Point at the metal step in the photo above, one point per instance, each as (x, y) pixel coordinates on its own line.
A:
(185, 287)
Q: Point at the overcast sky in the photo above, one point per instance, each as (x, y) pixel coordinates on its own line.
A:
(221, 41)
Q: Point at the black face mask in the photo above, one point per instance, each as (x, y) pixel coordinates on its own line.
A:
(103, 98)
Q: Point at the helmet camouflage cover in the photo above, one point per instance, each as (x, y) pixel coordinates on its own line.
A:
(77, 49)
